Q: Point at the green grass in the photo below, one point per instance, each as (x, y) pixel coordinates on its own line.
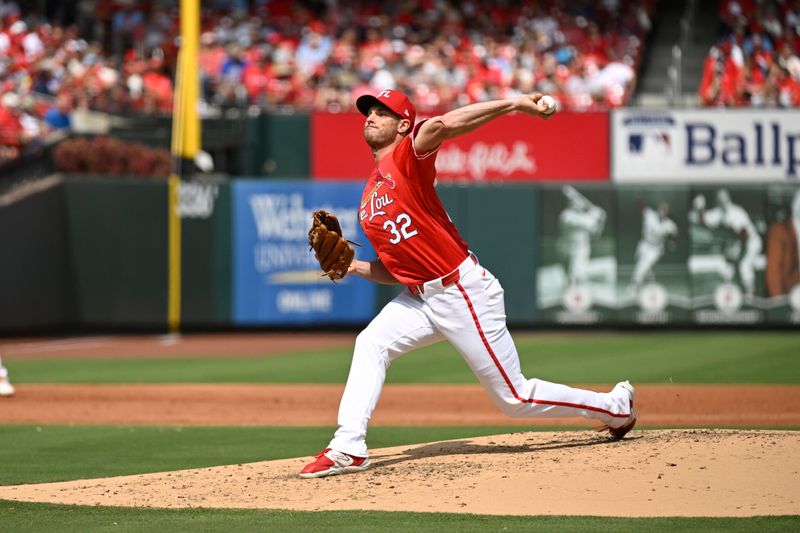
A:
(24, 517)
(38, 454)
(698, 357)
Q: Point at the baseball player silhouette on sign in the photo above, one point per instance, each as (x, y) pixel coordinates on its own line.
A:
(744, 247)
(449, 295)
(579, 222)
(657, 229)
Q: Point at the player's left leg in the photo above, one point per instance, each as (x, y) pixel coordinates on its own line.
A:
(399, 328)
(471, 314)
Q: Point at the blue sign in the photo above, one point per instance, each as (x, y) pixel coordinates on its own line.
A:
(276, 279)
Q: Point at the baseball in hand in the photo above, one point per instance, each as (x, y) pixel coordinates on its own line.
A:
(550, 104)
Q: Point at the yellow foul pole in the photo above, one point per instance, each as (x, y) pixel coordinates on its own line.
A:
(185, 145)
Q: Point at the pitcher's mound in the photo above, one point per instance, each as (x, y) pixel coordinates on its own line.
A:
(650, 473)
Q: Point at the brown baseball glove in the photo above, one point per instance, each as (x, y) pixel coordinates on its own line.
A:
(333, 251)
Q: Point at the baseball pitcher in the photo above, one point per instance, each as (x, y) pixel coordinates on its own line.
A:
(449, 296)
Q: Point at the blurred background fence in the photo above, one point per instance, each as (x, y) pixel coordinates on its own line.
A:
(627, 217)
(665, 192)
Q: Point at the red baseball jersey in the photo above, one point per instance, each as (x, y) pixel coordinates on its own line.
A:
(404, 219)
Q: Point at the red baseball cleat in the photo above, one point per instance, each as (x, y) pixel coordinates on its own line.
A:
(330, 462)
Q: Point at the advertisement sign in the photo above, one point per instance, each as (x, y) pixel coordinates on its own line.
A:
(652, 251)
(338, 149)
(513, 148)
(726, 258)
(276, 280)
(576, 279)
(715, 146)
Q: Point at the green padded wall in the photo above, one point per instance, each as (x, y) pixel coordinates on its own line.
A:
(118, 251)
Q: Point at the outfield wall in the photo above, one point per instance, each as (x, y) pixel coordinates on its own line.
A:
(650, 217)
(92, 253)
(35, 275)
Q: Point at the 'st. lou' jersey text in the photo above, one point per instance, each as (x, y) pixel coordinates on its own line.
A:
(403, 218)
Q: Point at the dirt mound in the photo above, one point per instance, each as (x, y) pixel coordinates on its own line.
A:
(650, 473)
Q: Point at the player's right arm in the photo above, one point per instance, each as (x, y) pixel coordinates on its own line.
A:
(373, 271)
(465, 119)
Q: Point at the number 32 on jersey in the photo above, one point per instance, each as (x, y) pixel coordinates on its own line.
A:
(399, 228)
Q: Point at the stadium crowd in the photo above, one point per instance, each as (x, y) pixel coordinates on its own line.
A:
(755, 63)
(118, 56)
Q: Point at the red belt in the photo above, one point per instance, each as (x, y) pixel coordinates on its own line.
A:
(448, 280)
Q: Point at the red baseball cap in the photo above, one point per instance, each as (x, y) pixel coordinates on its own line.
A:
(396, 101)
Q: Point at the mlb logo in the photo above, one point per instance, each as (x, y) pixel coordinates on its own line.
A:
(654, 140)
(645, 144)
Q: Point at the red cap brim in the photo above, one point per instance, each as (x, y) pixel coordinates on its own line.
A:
(365, 103)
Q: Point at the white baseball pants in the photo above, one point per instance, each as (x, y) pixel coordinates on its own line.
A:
(470, 314)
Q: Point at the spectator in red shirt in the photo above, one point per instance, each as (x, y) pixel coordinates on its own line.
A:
(157, 87)
(11, 134)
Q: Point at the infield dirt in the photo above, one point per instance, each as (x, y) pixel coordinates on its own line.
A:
(650, 473)
(400, 405)
(667, 405)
